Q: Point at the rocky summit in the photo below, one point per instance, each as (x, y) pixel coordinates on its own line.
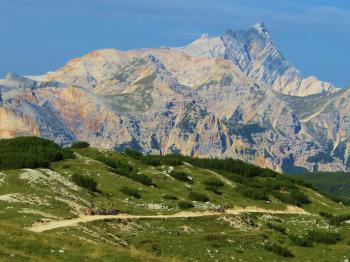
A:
(234, 95)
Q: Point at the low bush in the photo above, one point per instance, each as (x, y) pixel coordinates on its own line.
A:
(213, 182)
(80, 144)
(337, 220)
(323, 237)
(143, 179)
(170, 197)
(300, 241)
(171, 161)
(185, 205)
(213, 189)
(325, 215)
(86, 182)
(251, 192)
(279, 250)
(133, 153)
(124, 165)
(299, 198)
(127, 171)
(195, 196)
(294, 197)
(151, 160)
(234, 177)
(130, 192)
(182, 176)
(108, 161)
(276, 227)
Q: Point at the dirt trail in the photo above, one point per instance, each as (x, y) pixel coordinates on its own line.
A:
(41, 227)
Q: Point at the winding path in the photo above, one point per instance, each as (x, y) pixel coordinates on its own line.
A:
(45, 226)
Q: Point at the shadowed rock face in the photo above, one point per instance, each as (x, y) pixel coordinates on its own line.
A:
(227, 96)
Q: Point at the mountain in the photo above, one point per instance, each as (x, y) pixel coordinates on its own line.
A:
(94, 204)
(253, 51)
(229, 96)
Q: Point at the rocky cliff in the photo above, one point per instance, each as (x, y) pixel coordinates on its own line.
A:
(229, 96)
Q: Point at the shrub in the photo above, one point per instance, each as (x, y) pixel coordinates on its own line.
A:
(80, 144)
(279, 250)
(30, 152)
(213, 189)
(195, 196)
(294, 197)
(253, 193)
(299, 198)
(86, 182)
(182, 176)
(123, 165)
(213, 182)
(323, 237)
(300, 241)
(130, 192)
(108, 161)
(337, 220)
(126, 170)
(276, 227)
(185, 205)
(151, 160)
(170, 161)
(143, 179)
(170, 197)
(133, 153)
(325, 215)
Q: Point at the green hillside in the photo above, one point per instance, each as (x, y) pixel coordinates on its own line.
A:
(335, 184)
(106, 206)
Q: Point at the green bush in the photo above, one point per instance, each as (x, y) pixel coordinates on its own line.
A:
(276, 227)
(323, 237)
(86, 182)
(143, 179)
(130, 192)
(185, 205)
(213, 182)
(133, 153)
(325, 215)
(151, 160)
(337, 220)
(299, 198)
(213, 189)
(182, 176)
(30, 152)
(279, 250)
(80, 144)
(170, 161)
(124, 165)
(251, 192)
(294, 197)
(170, 197)
(195, 196)
(300, 241)
(108, 161)
(124, 169)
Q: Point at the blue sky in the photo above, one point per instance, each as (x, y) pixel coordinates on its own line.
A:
(37, 36)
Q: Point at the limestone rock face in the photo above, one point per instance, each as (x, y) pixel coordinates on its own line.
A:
(228, 96)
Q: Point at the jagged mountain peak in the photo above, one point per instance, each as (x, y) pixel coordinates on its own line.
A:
(12, 76)
(259, 30)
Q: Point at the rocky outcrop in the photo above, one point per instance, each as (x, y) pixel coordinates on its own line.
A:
(226, 96)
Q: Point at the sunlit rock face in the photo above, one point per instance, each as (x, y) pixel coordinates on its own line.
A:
(228, 96)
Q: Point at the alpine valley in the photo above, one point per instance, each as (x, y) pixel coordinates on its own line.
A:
(233, 95)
